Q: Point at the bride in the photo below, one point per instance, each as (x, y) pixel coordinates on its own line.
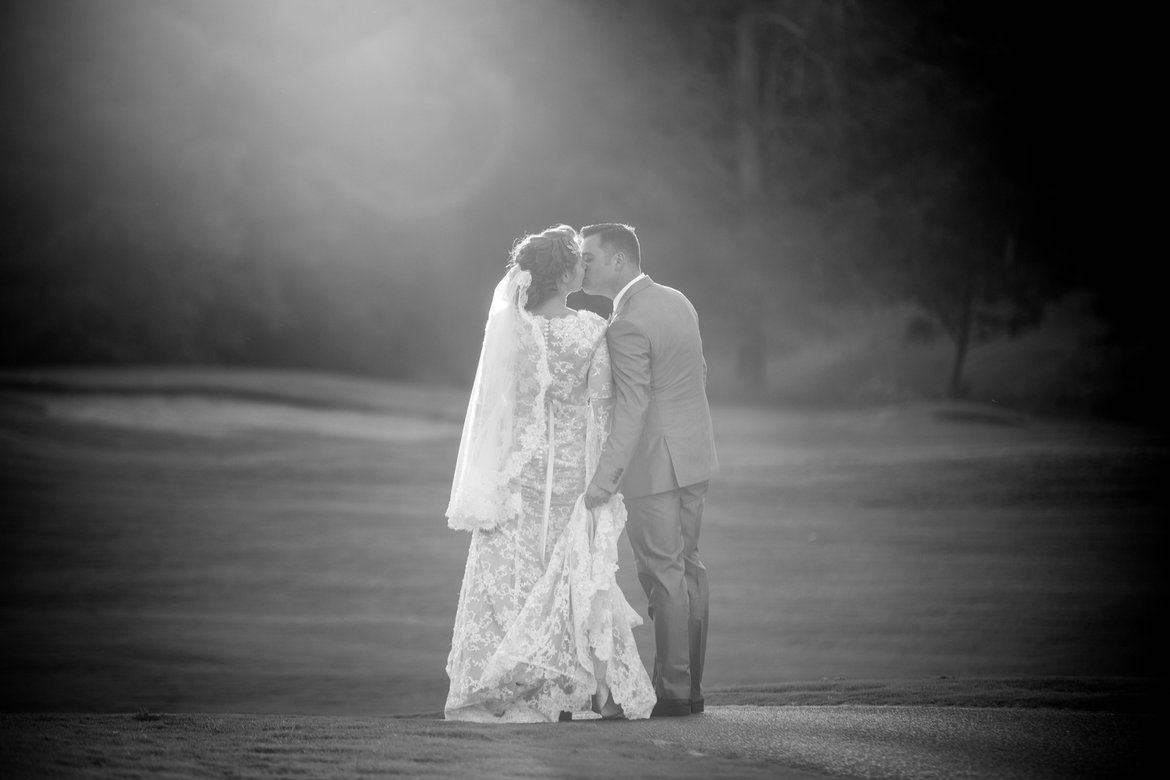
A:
(542, 628)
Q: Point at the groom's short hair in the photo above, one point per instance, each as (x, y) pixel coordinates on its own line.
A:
(616, 236)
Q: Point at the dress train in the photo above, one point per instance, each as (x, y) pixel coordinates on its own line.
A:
(573, 641)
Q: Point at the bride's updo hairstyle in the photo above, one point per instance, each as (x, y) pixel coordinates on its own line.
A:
(546, 255)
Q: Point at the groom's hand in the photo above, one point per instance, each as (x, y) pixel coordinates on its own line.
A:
(595, 496)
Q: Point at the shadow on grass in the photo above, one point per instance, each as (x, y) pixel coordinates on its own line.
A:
(1088, 694)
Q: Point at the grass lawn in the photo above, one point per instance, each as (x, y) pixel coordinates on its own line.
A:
(249, 542)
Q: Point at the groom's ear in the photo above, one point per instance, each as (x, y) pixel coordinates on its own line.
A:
(619, 259)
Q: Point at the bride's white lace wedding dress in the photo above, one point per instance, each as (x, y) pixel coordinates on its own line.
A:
(541, 620)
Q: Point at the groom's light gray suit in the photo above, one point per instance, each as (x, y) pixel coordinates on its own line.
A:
(660, 454)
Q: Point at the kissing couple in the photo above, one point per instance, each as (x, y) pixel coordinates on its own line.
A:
(577, 429)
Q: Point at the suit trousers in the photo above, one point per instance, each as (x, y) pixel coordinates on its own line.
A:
(664, 532)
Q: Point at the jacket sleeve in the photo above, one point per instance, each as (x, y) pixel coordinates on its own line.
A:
(629, 357)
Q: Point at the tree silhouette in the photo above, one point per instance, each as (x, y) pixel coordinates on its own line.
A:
(279, 184)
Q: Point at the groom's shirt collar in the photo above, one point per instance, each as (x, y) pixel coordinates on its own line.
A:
(621, 295)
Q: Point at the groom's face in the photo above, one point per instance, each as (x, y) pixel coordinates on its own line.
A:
(599, 271)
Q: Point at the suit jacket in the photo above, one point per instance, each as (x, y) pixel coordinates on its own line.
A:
(661, 436)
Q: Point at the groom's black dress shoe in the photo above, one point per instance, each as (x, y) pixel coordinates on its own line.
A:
(671, 708)
(696, 706)
(565, 717)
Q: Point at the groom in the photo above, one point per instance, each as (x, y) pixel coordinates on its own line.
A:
(660, 453)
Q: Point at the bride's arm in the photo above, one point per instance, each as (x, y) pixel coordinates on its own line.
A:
(599, 385)
(630, 361)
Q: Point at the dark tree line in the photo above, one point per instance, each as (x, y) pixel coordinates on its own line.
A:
(187, 182)
(901, 139)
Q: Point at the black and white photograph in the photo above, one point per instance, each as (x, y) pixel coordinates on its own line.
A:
(579, 389)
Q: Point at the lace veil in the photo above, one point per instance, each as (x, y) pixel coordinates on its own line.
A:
(480, 497)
